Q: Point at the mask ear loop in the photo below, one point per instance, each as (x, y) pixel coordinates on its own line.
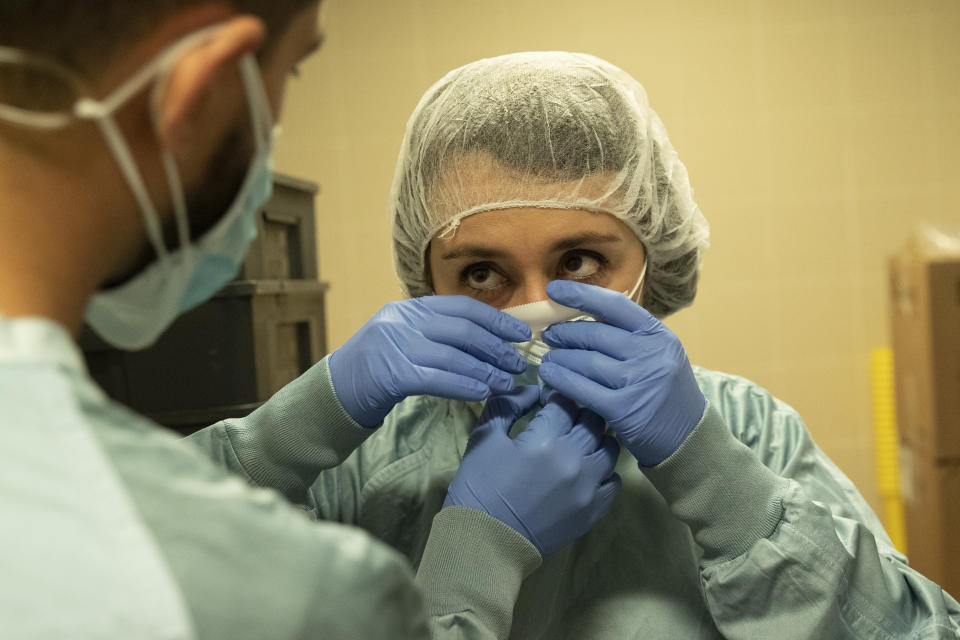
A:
(165, 63)
(170, 169)
(258, 102)
(261, 123)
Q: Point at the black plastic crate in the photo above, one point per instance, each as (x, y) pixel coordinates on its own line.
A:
(286, 243)
(225, 357)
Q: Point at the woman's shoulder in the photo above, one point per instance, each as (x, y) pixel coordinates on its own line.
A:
(754, 415)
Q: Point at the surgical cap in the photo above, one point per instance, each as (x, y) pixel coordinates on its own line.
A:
(551, 130)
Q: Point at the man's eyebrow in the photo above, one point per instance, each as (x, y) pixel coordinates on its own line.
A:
(480, 251)
(314, 46)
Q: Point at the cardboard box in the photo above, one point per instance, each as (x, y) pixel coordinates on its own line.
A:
(931, 500)
(925, 318)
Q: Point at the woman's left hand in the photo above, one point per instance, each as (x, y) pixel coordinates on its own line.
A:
(628, 368)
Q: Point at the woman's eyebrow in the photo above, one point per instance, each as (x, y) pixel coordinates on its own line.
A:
(480, 251)
(473, 251)
(584, 238)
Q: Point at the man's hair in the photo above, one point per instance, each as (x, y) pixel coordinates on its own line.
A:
(85, 36)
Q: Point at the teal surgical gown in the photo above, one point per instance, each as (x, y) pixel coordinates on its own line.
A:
(747, 531)
(112, 527)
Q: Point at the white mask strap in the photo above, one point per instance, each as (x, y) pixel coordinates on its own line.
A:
(636, 288)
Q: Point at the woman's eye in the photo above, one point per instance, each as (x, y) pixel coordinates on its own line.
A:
(482, 277)
(580, 265)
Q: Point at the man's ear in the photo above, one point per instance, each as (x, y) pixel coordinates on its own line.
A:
(195, 77)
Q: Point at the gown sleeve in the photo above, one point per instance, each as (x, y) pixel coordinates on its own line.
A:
(285, 444)
(789, 547)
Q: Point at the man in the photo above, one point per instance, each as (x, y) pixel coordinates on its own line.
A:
(134, 154)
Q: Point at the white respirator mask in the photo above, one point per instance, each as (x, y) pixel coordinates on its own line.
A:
(134, 314)
(543, 313)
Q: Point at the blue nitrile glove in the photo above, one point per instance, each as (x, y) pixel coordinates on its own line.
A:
(552, 482)
(628, 367)
(452, 347)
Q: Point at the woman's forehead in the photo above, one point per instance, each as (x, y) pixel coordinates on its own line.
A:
(532, 227)
(477, 182)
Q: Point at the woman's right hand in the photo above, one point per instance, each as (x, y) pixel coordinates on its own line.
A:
(552, 482)
(447, 346)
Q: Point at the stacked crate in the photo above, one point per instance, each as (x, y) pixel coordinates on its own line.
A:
(230, 354)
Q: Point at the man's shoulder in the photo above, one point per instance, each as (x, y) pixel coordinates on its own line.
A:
(247, 563)
(75, 535)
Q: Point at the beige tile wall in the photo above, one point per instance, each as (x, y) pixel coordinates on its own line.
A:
(817, 134)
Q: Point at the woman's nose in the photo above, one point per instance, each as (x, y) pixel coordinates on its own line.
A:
(533, 289)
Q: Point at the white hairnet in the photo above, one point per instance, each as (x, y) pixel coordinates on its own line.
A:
(552, 130)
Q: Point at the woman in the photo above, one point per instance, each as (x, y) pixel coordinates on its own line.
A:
(539, 168)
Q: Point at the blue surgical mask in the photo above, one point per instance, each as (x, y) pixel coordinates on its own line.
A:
(134, 314)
